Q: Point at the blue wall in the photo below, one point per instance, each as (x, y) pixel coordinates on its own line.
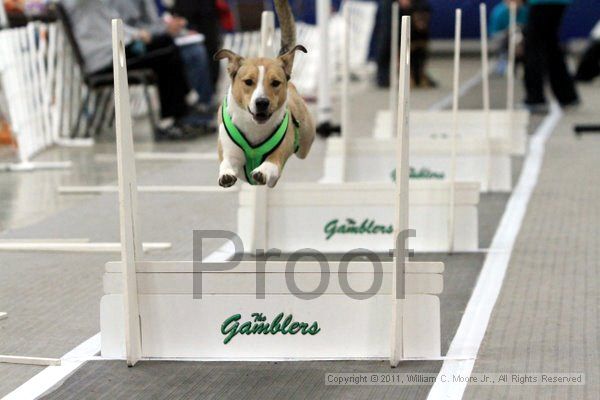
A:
(579, 20)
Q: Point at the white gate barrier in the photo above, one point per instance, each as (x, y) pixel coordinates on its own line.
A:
(43, 91)
(231, 320)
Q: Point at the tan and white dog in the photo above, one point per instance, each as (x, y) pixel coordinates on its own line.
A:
(263, 120)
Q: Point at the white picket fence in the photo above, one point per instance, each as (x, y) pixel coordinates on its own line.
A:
(42, 85)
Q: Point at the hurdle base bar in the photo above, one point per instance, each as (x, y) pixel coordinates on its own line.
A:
(166, 303)
(47, 362)
(75, 142)
(162, 156)
(73, 247)
(95, 190)
(35, 165)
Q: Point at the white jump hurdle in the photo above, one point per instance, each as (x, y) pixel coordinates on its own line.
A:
(508, 124)
(399, 320)
(437, 139)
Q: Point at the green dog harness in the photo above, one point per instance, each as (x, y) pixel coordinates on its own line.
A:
(256, 155)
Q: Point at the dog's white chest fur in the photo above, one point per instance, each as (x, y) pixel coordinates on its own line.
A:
(255, 133)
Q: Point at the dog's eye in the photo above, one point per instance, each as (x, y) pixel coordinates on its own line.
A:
(248, 82)
(275, 83)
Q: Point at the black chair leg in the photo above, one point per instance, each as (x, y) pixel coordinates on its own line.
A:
(97, 124)
(82, 108)
(91, 118)
(151, 114)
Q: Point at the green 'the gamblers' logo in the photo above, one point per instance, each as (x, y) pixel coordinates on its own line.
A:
(284, 325)
(423, 173)
(350, 226)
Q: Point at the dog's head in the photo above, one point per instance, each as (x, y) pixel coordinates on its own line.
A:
(259, 85)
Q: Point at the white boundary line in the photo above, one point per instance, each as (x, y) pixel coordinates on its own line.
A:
(53, 376)
(464, 89)
(473, 325)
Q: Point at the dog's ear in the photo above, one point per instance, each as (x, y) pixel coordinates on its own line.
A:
(287, 59)
(235, 61)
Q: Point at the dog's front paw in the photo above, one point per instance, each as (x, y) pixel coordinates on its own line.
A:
(266, 174)
(259, 178)
(227, 180)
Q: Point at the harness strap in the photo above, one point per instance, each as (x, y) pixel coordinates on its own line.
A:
(256, 155)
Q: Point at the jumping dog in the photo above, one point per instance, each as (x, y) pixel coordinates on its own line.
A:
(263, 119)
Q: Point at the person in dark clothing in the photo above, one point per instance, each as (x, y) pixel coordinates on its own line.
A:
(544, 57)
(589, 65)
(420, 13)
(203, 17)
(91, 20)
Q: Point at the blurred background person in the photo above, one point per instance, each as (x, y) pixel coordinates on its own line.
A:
(589, 65)
(91, 22)
(544, 59)
(203, 16)
(420, 12)
(499, 35)
(144, 14)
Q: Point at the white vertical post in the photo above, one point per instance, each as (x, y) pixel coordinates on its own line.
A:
(394, 69)
(131, 245)
(260, 193)
(401, 193)
(3, 17)
(485, 74)
(455, 95)
(345, 95)
(512, 44)
(267, 35)
(324, 90)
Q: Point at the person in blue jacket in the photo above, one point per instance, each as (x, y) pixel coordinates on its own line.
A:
(544, 58)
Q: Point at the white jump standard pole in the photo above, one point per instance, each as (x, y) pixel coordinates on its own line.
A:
(401, 220)
(510, 68)
(131, 245)
(324, 109)
(451, 213)
(486, 89)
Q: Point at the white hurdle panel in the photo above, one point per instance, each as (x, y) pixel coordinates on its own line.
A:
(153, 300)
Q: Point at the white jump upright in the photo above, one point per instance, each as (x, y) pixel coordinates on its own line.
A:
(512, 47)
(324, 113)
(455, 99)
(394, 316)
(485, 85)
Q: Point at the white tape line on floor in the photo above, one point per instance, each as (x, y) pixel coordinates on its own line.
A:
(475, 320)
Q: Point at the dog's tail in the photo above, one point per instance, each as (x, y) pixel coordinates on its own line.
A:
(287, 24)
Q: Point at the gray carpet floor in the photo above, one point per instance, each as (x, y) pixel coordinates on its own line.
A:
(547, 316)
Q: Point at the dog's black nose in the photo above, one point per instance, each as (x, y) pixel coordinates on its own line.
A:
(262, 104)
